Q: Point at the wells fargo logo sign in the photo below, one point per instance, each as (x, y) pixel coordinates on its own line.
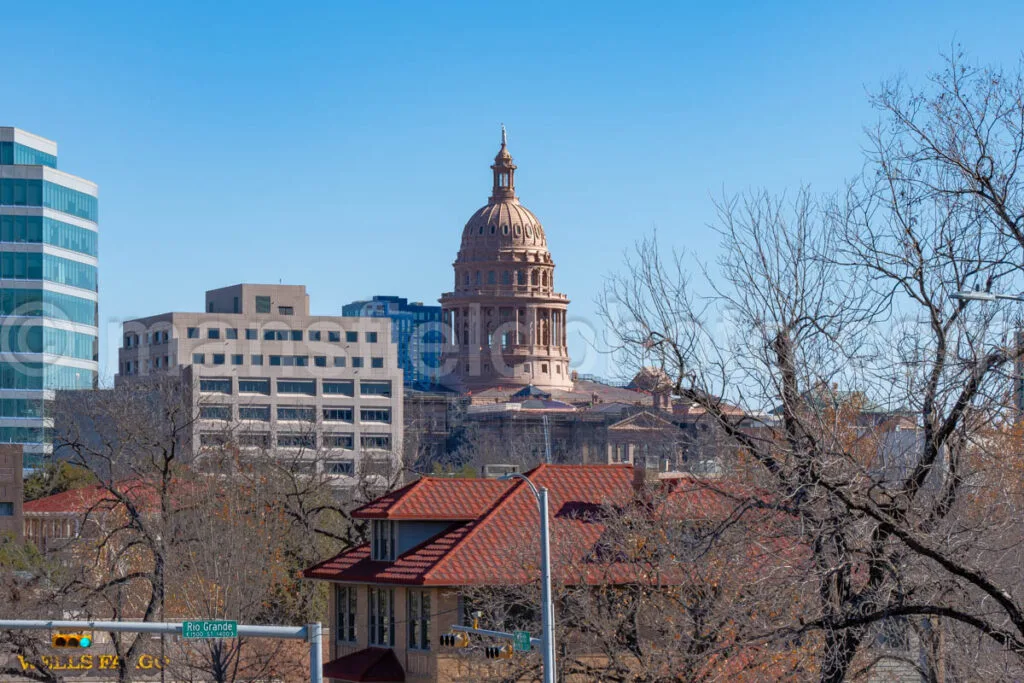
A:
(94, 663)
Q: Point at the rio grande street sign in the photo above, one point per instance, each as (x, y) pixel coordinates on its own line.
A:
(209, 629)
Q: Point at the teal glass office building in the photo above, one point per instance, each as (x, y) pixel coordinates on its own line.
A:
(415, 328)
(48, 288)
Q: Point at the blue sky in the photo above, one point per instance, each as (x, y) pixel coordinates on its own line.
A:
(343, 145)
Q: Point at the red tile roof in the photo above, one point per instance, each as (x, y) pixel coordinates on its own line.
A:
(433, 498)
(501, 544)
(79, 501)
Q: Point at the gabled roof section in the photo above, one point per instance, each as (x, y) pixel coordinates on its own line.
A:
(96, 496)
(436, 498)
(642, 421)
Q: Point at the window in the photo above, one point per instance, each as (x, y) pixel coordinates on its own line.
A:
(215, 386)
(375, 441)
(213, 333)
(296, 413)
(296, 335)
(334, 336)
(256, 359)
(263, 304)
(382, 616)
(213, 439)
(306, 387)
(257, 413)
(198, 358)
(544, 367)
(127, 341)
(371, 337)
(286, 310)
(213, 412)
(339, 361)
(231, 333)
(254, 386)
(340, 467)
(375, 388)
(237, 359)
(218, 359)
(314, 335)
(345, 602)
(338, 387)
(338, 441)
(255, 439)
(320, 361)
(357, 361)
(375, 415)
(276, 335)
(376, 362)
(351, 336)
(337, 414)
(193, 333)
(419, 619)
(250, 334)
(6, 509)
(383, 542)
(296, 440)
(290, 361)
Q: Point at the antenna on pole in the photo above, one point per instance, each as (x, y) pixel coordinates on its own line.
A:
(547, 440)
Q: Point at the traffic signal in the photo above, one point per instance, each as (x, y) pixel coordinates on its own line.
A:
(454, 640)
(498, 651)
(71, 640)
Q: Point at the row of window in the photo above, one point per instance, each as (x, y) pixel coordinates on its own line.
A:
(40, 302)
(38, 339)
(24, 435)
(16, 153)
(283, 360)
(541, 279)
(308, 440)
(40, 230)
(21, 407)
(251, 334)
(15, 375)
(304, 387)
(381, 616)
(17, 265)
(22, 192)
(261, 413)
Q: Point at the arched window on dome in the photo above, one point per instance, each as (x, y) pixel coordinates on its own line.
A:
(481, 229)
(521, 277)
(476, 278)
(490, 277)
(533, 278)
(544, 279)
(465, 279)
(506, 277)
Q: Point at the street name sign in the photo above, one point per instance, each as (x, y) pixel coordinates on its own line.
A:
(522, 641)
(209, 629)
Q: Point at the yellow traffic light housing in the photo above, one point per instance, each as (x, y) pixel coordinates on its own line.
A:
(499, 651)
(75, 640)
(455, 639)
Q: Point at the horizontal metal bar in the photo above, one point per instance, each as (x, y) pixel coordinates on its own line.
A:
(493, 634)
(244, 630)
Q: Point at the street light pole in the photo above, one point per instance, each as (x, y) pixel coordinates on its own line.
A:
(547, 610)
(1018, 340)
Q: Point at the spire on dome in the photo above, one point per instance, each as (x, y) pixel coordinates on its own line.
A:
(504, 172)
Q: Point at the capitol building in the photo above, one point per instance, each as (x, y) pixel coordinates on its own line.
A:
(505, 324)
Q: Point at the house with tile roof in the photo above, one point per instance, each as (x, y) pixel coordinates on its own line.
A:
(436, 540)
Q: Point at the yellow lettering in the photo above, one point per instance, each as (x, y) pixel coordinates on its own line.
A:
(86, 661)
(108, 661)
(25, 664)
(145, 662)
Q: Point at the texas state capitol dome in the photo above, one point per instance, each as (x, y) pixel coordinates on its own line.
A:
(506, 323)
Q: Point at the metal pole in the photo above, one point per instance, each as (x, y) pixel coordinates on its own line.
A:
(547, 610)
(316, 653)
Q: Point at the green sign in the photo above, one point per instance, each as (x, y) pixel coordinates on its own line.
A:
(209, 629)
(522, 641)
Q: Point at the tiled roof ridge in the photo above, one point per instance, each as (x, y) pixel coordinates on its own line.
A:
(481, 520)
(308, 571)
(397, 494)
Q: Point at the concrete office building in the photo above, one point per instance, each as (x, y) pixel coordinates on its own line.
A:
(48, 287)
(261, 368)
(415, 328)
